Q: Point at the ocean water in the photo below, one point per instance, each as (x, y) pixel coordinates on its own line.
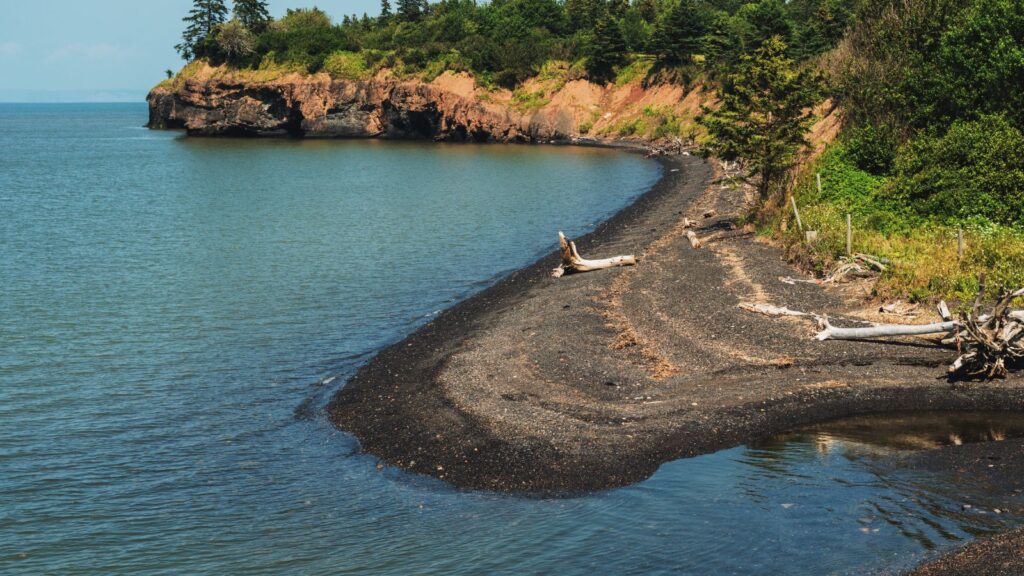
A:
(175, 313)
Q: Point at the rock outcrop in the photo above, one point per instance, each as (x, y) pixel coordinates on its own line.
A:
(213, 101)
(319, 107)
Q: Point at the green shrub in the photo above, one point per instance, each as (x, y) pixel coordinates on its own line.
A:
(450, 61)
(975, 170)
(346, 66)
(871, 148)
(305, 38)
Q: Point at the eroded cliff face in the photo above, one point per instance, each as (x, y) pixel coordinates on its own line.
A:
(213, 101)
(316, 106)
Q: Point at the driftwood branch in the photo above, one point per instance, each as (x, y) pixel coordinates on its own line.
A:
(573, 262)
(694, 241)
(770, 310)
(857, 266)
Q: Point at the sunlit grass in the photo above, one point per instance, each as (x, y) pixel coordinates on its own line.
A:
(925, 260)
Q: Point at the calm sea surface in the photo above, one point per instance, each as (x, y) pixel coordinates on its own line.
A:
(175, 313)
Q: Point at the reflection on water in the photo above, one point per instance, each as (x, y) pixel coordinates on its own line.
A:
(922, 431)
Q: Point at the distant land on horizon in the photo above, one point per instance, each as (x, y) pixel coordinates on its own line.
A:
(72, 96)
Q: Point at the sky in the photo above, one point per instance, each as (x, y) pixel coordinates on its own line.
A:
(104, 50)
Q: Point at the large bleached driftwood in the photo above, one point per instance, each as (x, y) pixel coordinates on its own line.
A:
(573, 262)
(830, 332)
(988, 344)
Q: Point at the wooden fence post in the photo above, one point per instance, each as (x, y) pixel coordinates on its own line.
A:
(797, 212)
(849, 236)
(818, 175)
(960, 244)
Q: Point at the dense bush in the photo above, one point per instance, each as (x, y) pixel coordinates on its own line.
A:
(346, 65)
(304, 37)
(974, 170)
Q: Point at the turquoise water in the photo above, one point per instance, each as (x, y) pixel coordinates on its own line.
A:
(176, 312)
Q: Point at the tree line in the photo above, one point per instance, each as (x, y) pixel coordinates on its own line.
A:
(507, 41)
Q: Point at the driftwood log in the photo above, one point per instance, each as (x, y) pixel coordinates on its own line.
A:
(987, 344)
(573, 262)
(830, 332)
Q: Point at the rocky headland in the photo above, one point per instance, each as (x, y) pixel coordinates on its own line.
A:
(212, 101)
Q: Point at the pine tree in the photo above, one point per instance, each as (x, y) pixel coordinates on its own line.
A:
(764, 115)
(618, 8)
(253, 14)
(582, 14)
(410, 10)
(385, 9)
(204, 17)
(607, 50)
(648, 9)
(680, 34)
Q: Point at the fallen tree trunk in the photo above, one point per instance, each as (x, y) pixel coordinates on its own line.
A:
(573, 262)
(830, 332)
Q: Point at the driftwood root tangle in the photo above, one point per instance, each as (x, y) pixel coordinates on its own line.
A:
(988, 343)
(573, 262)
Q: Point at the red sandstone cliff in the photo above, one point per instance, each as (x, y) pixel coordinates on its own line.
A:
(214, 101)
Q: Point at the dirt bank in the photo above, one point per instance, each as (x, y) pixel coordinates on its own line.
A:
(592, 381)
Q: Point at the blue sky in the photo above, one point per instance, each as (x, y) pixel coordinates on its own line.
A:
(103, 50)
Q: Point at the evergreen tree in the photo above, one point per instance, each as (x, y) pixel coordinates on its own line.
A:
(618, 7)
(607, 50)
(253, 14)
(680, 34)
(582, 14)
(410, 10)
(385, 9)
(764, 114)
(648, 9)
(635, 30)
(204, 17)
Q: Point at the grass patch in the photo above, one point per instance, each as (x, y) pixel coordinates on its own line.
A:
(635, 70)
(925, 264)
(525, 101)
